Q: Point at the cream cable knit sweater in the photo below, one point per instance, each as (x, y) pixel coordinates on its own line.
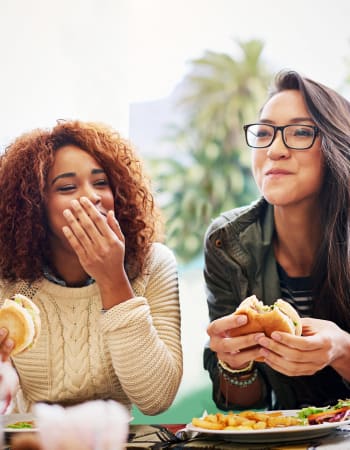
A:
(131, 354)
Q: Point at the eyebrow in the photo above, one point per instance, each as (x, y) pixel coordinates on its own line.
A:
(294, 120)
(73, 174)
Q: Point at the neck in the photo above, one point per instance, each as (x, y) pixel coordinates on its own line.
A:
(297, 239)
(69, 269)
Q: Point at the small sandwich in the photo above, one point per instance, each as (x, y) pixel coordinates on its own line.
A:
(281, 316)
(21, 317)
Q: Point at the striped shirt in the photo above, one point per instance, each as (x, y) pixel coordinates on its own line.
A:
(297, 291)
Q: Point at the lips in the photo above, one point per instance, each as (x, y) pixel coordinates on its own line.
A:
(278, 172)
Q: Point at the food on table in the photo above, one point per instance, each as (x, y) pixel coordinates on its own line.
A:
(21, 317)
(314, 415)
(246, 420)
(281, 316)
(21, 425)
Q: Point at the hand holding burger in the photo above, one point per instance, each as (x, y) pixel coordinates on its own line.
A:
(21, 317)
(281, 316)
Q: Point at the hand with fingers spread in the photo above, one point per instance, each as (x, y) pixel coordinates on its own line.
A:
(99, 243)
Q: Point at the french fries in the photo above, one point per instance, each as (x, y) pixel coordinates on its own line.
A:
(245, 420)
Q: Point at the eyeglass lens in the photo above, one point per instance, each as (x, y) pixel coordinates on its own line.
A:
(294, 136)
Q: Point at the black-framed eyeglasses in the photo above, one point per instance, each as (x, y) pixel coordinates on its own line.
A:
(296, 137)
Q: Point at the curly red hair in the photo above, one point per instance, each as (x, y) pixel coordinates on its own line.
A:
(24, 168)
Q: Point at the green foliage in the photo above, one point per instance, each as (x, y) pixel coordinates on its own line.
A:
(210, 170)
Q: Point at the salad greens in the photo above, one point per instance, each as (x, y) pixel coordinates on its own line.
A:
(305, 412)
(18, 425)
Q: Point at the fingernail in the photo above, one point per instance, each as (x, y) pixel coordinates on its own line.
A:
(264, 342)
(276, 336)
(66, 230)
(2, 331)
(9, 343)
(241, 320)
(259, 336)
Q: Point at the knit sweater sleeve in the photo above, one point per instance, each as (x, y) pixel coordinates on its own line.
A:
(143, 335)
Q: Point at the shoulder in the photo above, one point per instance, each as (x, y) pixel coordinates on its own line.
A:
(160, 270)
(238, 219)
(160, 255)
(160, 251)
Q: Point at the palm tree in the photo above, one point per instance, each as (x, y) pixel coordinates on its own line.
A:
(211, 170)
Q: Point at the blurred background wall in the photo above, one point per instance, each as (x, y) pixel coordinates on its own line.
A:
(179, 79)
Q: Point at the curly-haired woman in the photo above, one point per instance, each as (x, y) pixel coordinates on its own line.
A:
(78, 235)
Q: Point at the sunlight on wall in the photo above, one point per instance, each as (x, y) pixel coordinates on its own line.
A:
(62, 60)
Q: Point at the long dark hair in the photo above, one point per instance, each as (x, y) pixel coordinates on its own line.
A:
(331, 272)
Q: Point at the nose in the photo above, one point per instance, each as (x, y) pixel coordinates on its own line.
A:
(278, 149)
(92, 195)
(95, 198)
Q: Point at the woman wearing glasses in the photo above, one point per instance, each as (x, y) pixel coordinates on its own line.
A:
(293, 243)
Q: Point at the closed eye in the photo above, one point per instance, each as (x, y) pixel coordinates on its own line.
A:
(66, 188)
(102, 182)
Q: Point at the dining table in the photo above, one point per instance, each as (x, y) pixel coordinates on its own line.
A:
(176, 437)
(154, 437)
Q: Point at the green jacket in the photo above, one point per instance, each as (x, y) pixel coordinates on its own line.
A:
(239, 262)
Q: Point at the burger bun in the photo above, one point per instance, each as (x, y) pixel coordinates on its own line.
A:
(21, 317)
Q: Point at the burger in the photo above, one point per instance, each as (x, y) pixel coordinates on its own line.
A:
(281, 316)
(21, 317)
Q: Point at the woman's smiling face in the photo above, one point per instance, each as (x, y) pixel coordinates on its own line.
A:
(75, 173)
(285, 176)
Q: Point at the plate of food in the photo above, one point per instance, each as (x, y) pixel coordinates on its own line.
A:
(19, 423)
(273, 426)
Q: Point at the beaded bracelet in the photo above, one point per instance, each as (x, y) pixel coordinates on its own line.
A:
(238, 381)
(242, 378)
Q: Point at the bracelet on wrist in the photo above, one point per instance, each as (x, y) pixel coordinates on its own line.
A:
(242, 381)
(245, 370)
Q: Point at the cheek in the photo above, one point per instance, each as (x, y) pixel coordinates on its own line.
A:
(108, 200)
(318, 178)
(257, 165)
(316, 172)
(54, 213)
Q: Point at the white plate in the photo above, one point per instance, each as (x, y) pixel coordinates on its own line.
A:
(287, 434)
(28, 417)
(7, 419)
